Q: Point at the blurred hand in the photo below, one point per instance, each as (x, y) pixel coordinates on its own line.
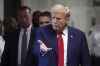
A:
(43, 47)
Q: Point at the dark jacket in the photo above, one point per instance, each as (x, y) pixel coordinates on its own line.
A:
(10, 54)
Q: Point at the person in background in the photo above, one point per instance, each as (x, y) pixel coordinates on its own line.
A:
(59, 44)
(94, 45)
(9, 24)
(19, 42)
(44, 18)
(35, 18)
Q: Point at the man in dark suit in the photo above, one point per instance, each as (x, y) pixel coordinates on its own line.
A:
(14, 42)
(59, 44)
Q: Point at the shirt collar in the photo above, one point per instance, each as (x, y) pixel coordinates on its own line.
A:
(65, 31)
(29, 28)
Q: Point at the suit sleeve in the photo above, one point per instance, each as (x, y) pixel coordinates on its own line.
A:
(36, 47)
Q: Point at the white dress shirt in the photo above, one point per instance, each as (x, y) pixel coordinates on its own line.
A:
(28, 32)
(65, 39)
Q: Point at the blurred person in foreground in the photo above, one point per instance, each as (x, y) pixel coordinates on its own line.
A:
(9, 24)
(59, 44)
(2, 42)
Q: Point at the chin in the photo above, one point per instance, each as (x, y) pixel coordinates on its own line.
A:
(55, 27)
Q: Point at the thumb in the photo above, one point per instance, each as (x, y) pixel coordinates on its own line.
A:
(40, 42)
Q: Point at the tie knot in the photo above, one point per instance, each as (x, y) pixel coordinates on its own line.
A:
(25, 30)
(60, 33)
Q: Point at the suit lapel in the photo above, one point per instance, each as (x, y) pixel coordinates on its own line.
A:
(70, 43)
(55, 42)
(16, 40)
(53, 38)
(32, 37)
(31, 42)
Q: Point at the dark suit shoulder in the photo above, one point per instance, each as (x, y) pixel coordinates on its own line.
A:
(45, 28)
(11, 34)
(75, 30)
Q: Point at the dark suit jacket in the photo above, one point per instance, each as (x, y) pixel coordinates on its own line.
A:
(10, 54)
(77, 50)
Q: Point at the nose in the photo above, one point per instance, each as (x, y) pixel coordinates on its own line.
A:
(44, 23)
(54, 20)
(23, 19)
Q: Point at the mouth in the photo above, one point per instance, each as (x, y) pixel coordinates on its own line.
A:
(55, 26)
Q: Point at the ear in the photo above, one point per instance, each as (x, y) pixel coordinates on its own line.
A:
(67, 19)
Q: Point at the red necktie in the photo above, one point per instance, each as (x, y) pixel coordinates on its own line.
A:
(60, 50)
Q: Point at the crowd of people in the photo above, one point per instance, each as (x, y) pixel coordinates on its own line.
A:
(46, 39)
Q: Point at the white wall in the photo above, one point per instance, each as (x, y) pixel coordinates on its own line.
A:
(1, 9)
(97, 16)
(81, 13)
(42, 4)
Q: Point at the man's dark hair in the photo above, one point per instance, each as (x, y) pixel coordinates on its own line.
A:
(45, 13)
(24, 8)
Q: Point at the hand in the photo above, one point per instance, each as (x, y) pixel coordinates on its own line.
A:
(43, 47)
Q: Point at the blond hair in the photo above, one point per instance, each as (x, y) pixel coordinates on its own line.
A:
(62, 9)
